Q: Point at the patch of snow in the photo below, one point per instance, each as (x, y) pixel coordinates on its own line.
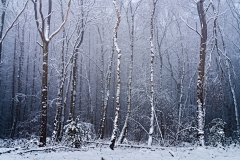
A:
(121, 153)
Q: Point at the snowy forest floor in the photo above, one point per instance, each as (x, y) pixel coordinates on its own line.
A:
(92, 152)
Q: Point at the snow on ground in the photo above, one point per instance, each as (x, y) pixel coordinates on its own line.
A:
(93, 153)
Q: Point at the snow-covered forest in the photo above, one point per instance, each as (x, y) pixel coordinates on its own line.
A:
(149, 75)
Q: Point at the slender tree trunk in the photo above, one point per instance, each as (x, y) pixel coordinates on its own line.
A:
(81, 64)
(123, 133)
(13, 86)
(57, 121)
(43, 132)
(114, 133)
(73, 87)
(33, 99)
(201, 67)
(102, 67)
(90, 101)
(1, 26)
(25, 115)
(151, 130)
(19, 90)
(78, 43)
(88, 76)
(65, 103)
(107, 94)
(102, 75)
(80, 85)
(181, 77)
(160, 78)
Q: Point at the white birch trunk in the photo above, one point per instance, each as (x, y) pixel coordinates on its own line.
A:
(151, 130)
(114, 133)
(201, 67)
(123, 133)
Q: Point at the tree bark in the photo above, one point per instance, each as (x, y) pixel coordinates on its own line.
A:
(201, 67)
(58, 117)
(43, 131)
(114, 133)
(151, 130)
(46, 38)
(123, 133)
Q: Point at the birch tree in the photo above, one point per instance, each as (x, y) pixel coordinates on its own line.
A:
(123, 133)
(80, 33)
(114, 133)
(227, 62)
(151, 130)
(44, 30)
(57, 124)
(107, 94)
(201, 67)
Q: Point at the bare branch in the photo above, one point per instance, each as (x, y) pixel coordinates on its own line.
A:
(191, 28)
(39, 44)
(14, 21)
(59, 29)
(138, 4)
(216, 16)
(48, 15)
(36, 17)
(41, 14)
(140, 125)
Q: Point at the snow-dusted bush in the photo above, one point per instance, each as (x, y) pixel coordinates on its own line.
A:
(216, 132)
(188, 136)
(72, 134)
(76, 132)
(32, 142)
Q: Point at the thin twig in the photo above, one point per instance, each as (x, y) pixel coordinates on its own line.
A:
(191, 28)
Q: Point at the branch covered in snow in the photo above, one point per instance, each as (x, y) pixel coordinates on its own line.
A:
(14, 22)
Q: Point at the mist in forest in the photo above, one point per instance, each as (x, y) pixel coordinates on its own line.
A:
(154, 72)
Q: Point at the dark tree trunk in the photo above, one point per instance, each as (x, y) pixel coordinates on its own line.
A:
(13, 88)
(43, 132)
